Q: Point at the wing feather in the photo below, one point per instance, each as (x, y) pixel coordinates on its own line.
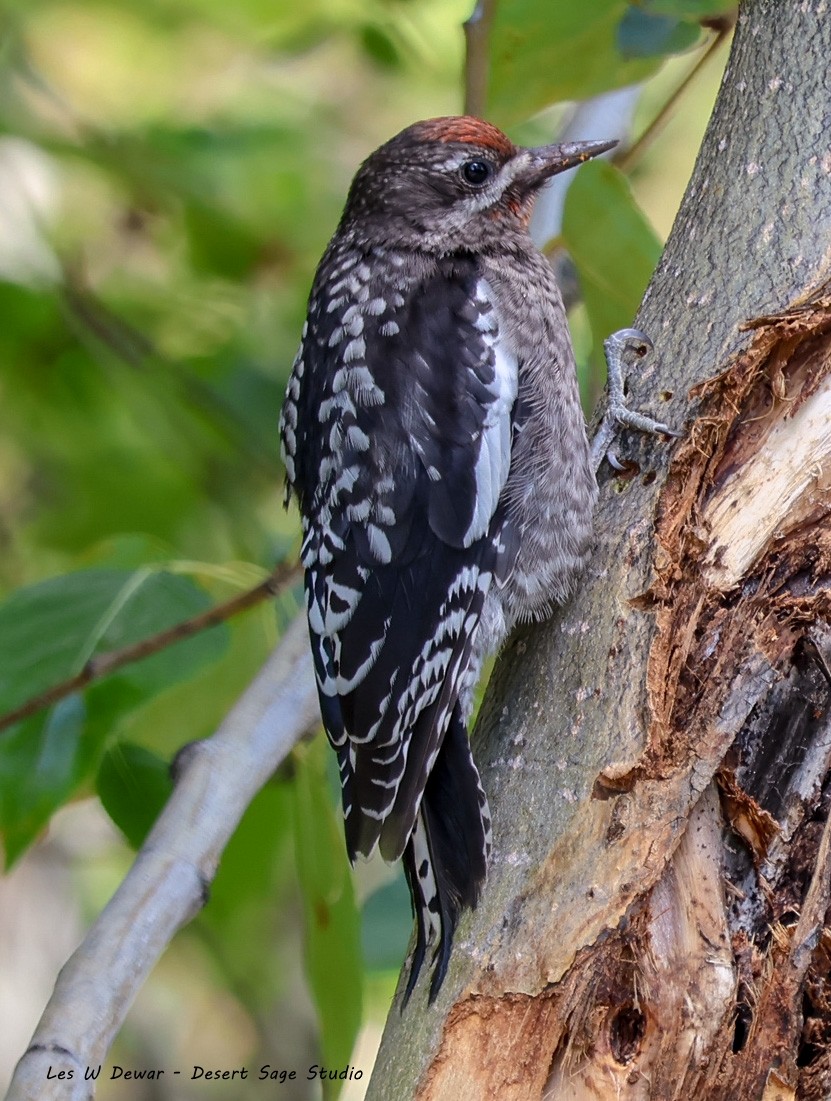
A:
(397, 433)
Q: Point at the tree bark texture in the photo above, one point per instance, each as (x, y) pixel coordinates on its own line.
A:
(657, 757)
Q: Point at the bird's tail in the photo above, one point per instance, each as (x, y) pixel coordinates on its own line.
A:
(446, 857)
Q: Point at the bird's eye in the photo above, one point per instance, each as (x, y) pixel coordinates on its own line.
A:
(477, 172)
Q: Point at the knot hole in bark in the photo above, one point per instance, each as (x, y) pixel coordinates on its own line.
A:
(627, 1028)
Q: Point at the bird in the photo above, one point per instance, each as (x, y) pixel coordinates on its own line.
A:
(433, 437)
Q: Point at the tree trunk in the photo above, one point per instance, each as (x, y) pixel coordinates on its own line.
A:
(657, 757)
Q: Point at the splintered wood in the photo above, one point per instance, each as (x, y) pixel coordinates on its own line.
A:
(716, 980)
(778, 488)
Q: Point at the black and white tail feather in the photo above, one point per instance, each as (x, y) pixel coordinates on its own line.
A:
(446, 861)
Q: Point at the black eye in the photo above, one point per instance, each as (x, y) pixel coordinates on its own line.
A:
(477, 172)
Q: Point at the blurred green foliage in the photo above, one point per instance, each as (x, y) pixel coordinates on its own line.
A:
(613, 247)
(169, 175)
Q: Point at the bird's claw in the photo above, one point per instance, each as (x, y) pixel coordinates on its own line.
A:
(618, 415)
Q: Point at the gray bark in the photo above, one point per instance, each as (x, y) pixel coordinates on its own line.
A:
(657, 756)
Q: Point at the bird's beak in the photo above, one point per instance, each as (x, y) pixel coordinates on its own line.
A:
(548, 160)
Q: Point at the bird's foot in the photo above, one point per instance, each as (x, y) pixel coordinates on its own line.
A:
(620, 345)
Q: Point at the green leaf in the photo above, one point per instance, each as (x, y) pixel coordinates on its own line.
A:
(547, 51)
(205, 698)
(688, 9)
(133, 785)
(41, 761)
(333, 952)
(248, 906)
(386, 925)
(642, 34)
(132, 551)
(378, 46)
(219, 243)
(49, 631)
(612, 245)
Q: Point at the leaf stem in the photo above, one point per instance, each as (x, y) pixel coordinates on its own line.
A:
(627, 158)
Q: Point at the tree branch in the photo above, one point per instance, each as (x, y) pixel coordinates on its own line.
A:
(102, 665)
(477, 62)
(168, 882)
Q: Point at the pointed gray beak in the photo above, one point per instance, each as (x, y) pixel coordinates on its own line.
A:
(548, 160)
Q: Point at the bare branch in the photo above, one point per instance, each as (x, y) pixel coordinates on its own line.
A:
(477, 63)
(167, 885)
(102, 665)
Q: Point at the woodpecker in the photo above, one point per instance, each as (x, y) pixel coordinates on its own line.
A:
(433, 437)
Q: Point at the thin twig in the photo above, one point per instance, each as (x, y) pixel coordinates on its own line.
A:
(477, 62)
(629, 157)
(102, 665)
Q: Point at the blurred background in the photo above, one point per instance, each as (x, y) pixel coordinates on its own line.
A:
(170, 173)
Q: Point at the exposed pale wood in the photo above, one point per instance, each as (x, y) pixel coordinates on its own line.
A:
(771, 492)
(678, 971)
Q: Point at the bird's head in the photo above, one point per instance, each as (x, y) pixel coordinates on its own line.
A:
(454, 184)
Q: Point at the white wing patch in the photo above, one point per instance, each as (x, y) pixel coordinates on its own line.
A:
(494, 459)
